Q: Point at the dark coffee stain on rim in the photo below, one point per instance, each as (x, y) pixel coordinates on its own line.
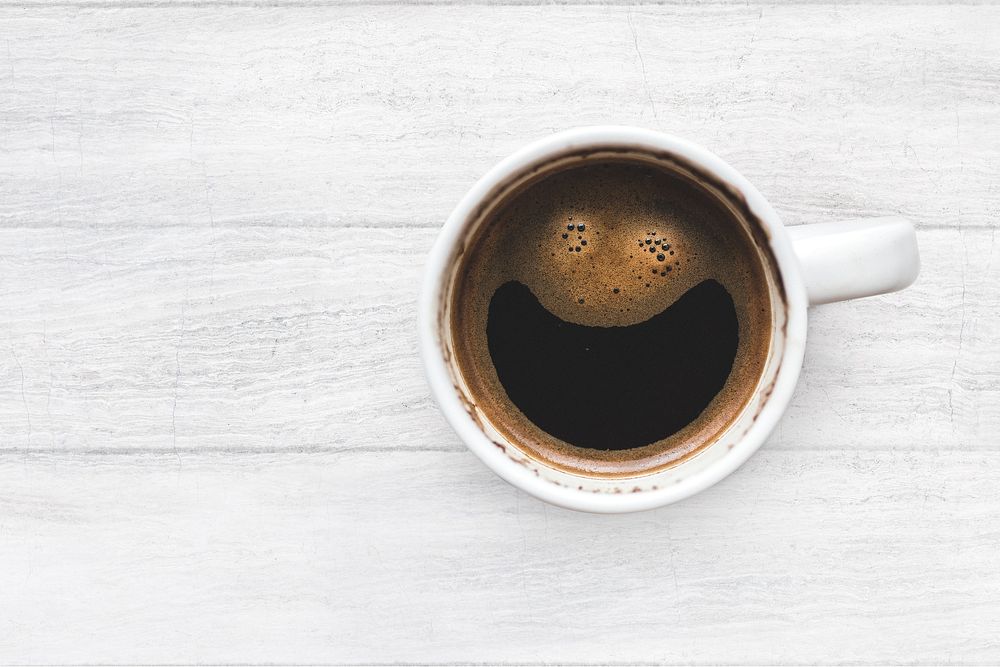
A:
(471, 408)
(726, 193)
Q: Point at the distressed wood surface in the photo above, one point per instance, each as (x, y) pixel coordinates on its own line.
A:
(799, 557)
(216, 443)
(336, 116)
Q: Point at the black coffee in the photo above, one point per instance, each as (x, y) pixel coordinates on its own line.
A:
(611, 316)
(613, 387)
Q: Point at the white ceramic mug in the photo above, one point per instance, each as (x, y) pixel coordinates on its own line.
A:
(809, 264)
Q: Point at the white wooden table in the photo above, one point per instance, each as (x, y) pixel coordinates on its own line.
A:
(216, 443)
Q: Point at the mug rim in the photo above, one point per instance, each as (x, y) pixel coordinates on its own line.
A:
(436, 273)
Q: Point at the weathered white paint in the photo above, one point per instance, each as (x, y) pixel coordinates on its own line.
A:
(215, 440)
(861, 557)
(386, 115)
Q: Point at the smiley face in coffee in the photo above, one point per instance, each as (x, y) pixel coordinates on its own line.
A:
(611, 317)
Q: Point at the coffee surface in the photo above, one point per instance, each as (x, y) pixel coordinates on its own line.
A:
(611, 318)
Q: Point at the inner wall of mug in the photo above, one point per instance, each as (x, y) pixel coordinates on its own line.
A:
(726, 195)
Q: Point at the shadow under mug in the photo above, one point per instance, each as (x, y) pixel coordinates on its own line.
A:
(808, 264)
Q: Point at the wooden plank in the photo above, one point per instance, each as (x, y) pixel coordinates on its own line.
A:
(287, 339)
(800, 557)
(384, 115)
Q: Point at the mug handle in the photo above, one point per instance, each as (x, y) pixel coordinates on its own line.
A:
(856, 258)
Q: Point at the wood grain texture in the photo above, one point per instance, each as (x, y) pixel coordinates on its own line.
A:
(385, 115)
(277, 338)
(860, 557)
(216, 443)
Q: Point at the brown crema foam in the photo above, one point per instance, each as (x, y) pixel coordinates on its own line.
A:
(610, 242)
